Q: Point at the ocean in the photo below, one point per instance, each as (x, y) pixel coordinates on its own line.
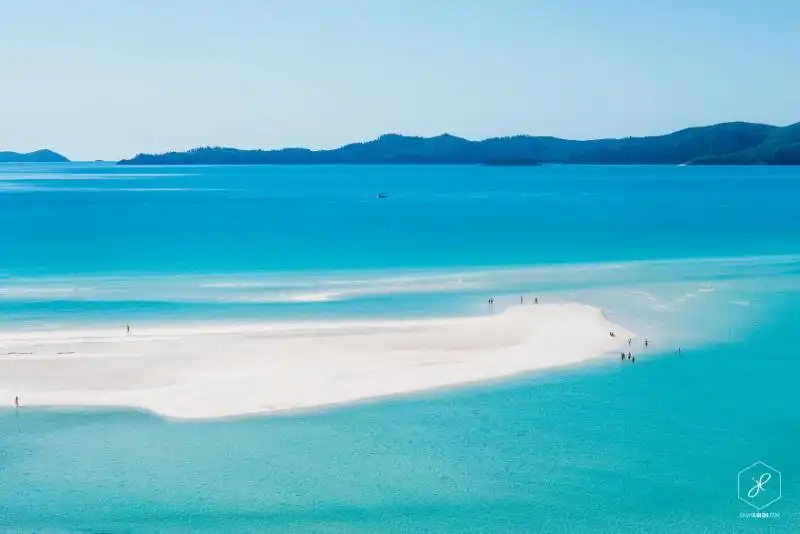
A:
(702, 258)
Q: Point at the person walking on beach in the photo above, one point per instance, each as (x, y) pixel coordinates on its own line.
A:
(536, 300)
(16, 401)
(629, 356)
(127, 329)
(520, 299)
(622, 356)
(629, 342)
(646, 342)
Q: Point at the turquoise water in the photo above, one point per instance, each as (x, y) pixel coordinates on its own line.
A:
(703, 258)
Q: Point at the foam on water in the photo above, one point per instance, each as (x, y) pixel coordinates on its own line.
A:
(676, 303)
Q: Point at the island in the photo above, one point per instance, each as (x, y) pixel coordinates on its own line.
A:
(739, 143)
(39, 156)
(780, 147)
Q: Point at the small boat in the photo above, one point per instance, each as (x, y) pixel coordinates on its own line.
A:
(383, 195)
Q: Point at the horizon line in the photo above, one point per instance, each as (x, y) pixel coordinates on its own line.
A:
(387, 134)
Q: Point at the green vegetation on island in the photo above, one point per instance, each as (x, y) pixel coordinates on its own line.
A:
(780, 147)
(39, 156)
(726, 143)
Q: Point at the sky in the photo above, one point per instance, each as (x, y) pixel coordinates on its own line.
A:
(107, 79)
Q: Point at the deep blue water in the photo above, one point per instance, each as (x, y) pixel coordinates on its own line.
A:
(100, 219)
(704, 258)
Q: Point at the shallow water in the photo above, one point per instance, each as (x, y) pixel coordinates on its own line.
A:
(705, 259)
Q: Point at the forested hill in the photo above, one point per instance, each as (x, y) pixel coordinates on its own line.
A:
(733, 142)
(40, 156)
(780, 147)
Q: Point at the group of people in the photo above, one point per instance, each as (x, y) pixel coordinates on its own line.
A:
(630, 357)
(521, 300)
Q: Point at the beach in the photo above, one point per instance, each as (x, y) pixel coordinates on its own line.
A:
(228, 370)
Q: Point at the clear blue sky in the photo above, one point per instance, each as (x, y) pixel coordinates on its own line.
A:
(108, 78)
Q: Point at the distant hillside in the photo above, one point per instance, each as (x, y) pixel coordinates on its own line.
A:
(705, 144)
(781, 147)
(40, 156)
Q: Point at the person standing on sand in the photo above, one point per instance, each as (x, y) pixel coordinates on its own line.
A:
(646, 342)
(16, 401)
(520, 299)
(127, 329)
(629, 342)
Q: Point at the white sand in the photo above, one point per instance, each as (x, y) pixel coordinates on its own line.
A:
(221, 371)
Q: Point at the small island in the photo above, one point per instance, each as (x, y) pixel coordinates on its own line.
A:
(732, 143)
(39, 156)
